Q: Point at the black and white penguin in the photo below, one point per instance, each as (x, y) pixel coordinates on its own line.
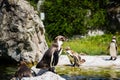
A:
(76, 61)
(113, 49)
(51, 56)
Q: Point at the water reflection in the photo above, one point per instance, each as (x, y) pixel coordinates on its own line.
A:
(113, 74)
(87, 78)
(89, 74)
(7, 72)
(70, 73)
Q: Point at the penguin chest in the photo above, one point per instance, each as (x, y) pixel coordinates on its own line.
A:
(113, 50)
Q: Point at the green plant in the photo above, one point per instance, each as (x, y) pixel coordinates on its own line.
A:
(33, 3)
(71, 17)
(96, 45)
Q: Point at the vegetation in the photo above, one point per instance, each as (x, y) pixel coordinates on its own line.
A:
(76, 17)
(33, 3)
(71, 17)
(96, 45)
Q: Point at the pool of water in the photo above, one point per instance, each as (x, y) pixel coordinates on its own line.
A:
(75, 73)
(71, 73)
(7, 72)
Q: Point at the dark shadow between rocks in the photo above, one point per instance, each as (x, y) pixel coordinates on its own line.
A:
(42, 71)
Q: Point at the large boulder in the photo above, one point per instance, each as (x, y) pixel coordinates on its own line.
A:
(42, 74)
(21, 31)
(45, 76)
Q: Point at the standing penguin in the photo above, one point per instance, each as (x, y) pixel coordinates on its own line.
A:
(113, 49)
(51, 56)
(76, 61)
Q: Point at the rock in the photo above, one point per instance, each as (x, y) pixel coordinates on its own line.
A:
(100, 61)
(21, 31)
(95, 61)
(42, 75)
(45, 76)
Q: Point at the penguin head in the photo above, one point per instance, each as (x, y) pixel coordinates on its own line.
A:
(114, 39)
(67, 48)
(69, 51)
(59, 40)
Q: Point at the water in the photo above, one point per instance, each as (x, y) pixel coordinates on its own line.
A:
(70, 73)
(7, 72)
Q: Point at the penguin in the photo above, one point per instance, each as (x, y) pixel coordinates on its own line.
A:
(51, 56)
(113, 49)
(77, 61)
(23, 71)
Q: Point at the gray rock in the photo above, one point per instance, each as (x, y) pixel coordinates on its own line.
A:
(96, 61)
(42, 75)
(21, 31)
(45, 76)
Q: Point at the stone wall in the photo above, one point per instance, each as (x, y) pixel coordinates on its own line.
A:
(21, 31)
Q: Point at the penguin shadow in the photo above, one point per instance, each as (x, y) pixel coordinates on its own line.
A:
(72, 65)
(108, 59)
(42, 71)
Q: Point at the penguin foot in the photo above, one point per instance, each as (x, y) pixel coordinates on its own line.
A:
(114, 59)
(111, 58)
(52, 69)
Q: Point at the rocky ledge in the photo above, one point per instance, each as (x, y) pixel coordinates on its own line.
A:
(45, 76)
(42, 75)
(91, 62)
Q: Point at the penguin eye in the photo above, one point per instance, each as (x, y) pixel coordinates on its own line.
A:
(62, 39)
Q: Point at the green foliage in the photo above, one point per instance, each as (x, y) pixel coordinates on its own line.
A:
(33, 3)
(70, 17)
(96, 45)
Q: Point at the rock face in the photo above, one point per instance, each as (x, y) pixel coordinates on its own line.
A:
(43, 75)
(21, 31)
